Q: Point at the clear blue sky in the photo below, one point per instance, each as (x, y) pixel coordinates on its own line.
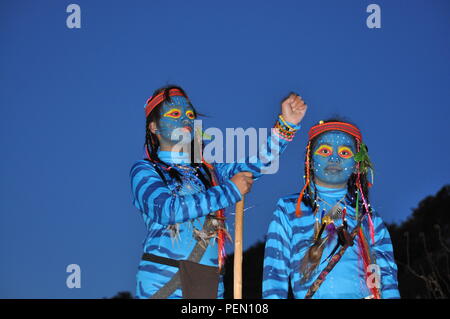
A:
(72, 120)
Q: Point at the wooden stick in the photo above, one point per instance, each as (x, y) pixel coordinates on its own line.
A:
(238, 231)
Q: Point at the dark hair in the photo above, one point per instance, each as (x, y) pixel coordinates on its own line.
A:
(152, 143)
(311, 196)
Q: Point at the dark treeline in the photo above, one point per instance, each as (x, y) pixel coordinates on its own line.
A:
(421, 248)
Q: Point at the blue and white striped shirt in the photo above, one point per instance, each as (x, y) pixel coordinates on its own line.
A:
(289, 238)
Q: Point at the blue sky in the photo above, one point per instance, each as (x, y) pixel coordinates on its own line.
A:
(72, 120)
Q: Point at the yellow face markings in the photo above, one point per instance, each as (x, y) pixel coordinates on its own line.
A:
(324, 150)
(190, 114)
(173, 113)
(345, 152)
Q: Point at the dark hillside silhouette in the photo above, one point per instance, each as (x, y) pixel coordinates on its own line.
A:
(421, 247)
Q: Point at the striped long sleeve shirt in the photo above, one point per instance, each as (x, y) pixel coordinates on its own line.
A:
(289, 238)
(170, 204)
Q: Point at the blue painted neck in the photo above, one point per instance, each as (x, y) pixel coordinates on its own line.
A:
(330, 192)
(174, 157)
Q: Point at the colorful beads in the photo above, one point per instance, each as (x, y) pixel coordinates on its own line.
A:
(284, 130)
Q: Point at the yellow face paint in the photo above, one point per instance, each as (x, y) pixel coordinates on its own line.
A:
(190, 114)
(173, 113)
(324, 150)
(345, 152)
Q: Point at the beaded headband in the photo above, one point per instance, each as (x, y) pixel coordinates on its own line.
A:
(153, 101)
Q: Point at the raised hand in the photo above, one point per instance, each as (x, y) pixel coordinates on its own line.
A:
(293, 108)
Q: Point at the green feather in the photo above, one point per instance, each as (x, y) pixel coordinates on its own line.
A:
(362, 157)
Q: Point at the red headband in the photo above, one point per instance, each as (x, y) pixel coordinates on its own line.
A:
(152, 102)
(335, 126)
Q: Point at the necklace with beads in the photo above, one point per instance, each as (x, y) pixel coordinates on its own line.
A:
(336, 211)
(190, 184)
(190, 181)
(326, 220)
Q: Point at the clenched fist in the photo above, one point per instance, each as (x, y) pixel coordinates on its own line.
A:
(293, 108)
(243, 181)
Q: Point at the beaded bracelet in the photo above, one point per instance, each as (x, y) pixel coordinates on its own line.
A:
(277, 133)
(286, 124)
(284, 130)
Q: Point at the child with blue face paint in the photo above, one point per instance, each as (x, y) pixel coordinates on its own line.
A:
(182, 200)
(328, 242)
(333, 160)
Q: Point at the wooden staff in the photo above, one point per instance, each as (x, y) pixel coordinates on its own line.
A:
(238, 231)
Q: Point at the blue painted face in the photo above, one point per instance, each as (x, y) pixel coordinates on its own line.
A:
(176, 122)
(333, 157)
